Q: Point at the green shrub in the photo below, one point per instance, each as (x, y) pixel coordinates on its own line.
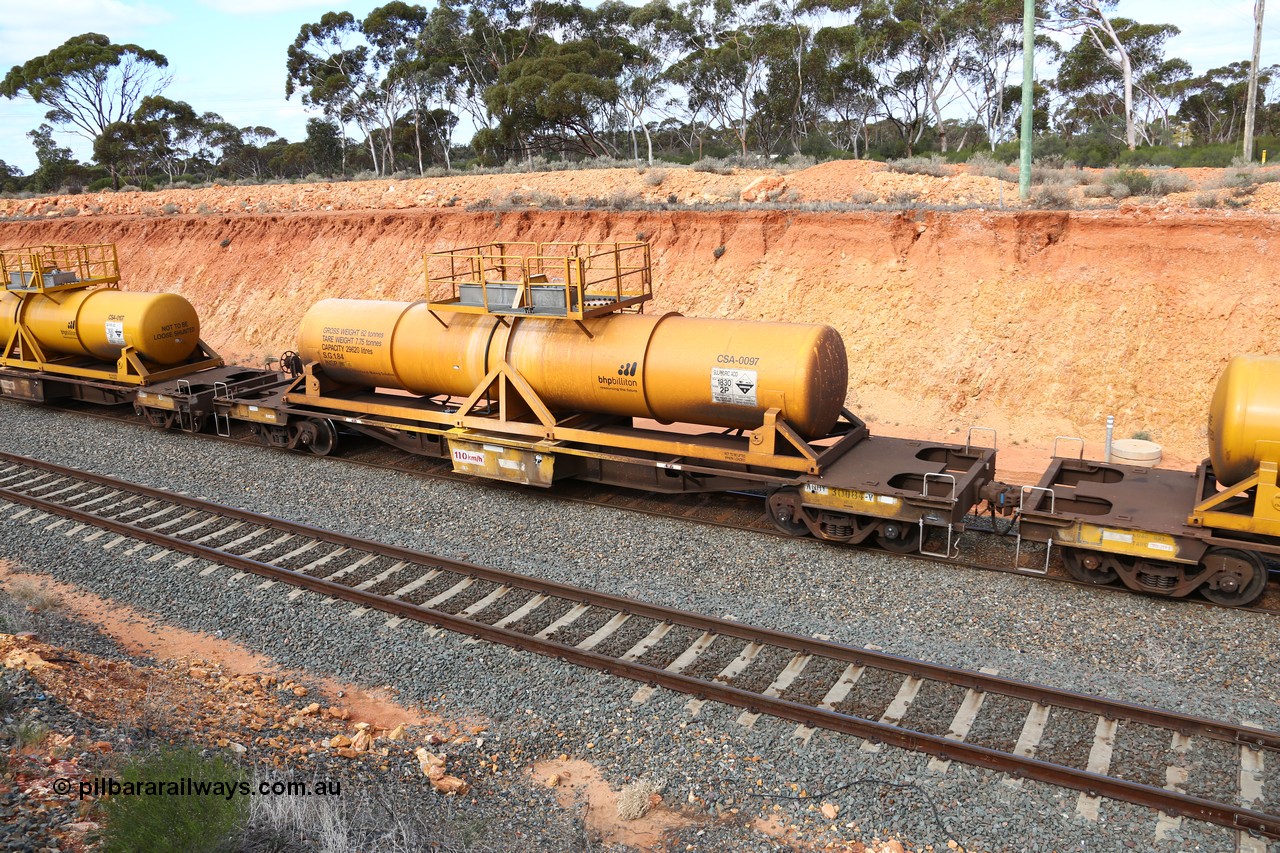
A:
(99, 185)
(933, 165)
(1118, 190)
(1135, 182)
(1052, 197)
(28, 733)
(1164, 183)
(984, 164)
(714, 165)
(194, 823)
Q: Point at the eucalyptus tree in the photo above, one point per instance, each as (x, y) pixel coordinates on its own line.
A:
(916, 49)
(54, 161)
(844, 84)
(88, 82)
(168, 134)
(327, 64)
(553, 99)
(394, 32)
(992, 32)
(724, 67)
(1214, 104)
(1117, 66)
(480, 39)
(654, 32)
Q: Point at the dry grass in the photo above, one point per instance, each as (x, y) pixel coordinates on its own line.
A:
(1053, 197)
(35, 597)
(636, 798)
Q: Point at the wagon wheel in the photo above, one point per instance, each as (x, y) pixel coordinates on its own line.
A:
(901, 537)
(323, 436)
(1236, 578)
(783, 507)
(1088, 566)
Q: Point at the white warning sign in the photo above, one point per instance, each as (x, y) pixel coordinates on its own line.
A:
(468, 457)
(733, 386)
(115, 333)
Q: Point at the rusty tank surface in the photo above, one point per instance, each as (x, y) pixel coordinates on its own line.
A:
(1244, 417)
(668, 367)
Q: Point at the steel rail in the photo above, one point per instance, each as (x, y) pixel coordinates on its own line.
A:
(1183, 723)
(1170, 802)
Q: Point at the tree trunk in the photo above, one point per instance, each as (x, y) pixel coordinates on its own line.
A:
(1126, 70)
(937, 117)
(648, 142)
(1251, 111)
(1130, 131)
(417, 138)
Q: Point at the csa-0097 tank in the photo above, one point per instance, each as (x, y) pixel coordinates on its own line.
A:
(671, 368)
(1245, 411)
(162, 327)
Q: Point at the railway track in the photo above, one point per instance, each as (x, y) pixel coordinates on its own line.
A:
(734, 511)
(884, 699)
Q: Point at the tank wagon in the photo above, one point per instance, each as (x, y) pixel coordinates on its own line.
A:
(533, 363)
(70, 332)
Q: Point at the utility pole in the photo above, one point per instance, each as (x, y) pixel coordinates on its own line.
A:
(1251, 111)
(1028, 94)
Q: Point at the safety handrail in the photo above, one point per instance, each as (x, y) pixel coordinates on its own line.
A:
(36, 267)
(968, 439)
(1068, 438)
(612, 275)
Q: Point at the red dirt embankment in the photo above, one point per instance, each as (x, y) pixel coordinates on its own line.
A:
(1035, 323)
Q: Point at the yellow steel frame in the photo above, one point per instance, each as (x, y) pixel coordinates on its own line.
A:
(1265, 519)
(856, 501)
(763, 445)
(1122, 540)
(617, 275)
(95, 265)
(23, 351)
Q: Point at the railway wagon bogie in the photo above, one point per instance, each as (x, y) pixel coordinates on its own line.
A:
(1126, 524)
(892, 492)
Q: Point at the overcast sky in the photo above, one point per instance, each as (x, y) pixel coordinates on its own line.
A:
(228, 56)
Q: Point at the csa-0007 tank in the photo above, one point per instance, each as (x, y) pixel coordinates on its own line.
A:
(1245, 410)
(162, 327)
(668, 367)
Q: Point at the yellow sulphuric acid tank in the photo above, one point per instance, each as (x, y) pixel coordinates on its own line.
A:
(671, 368)
(162, 327)
(1245, 411)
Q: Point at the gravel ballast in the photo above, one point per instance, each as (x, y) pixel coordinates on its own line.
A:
(1197, 660)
